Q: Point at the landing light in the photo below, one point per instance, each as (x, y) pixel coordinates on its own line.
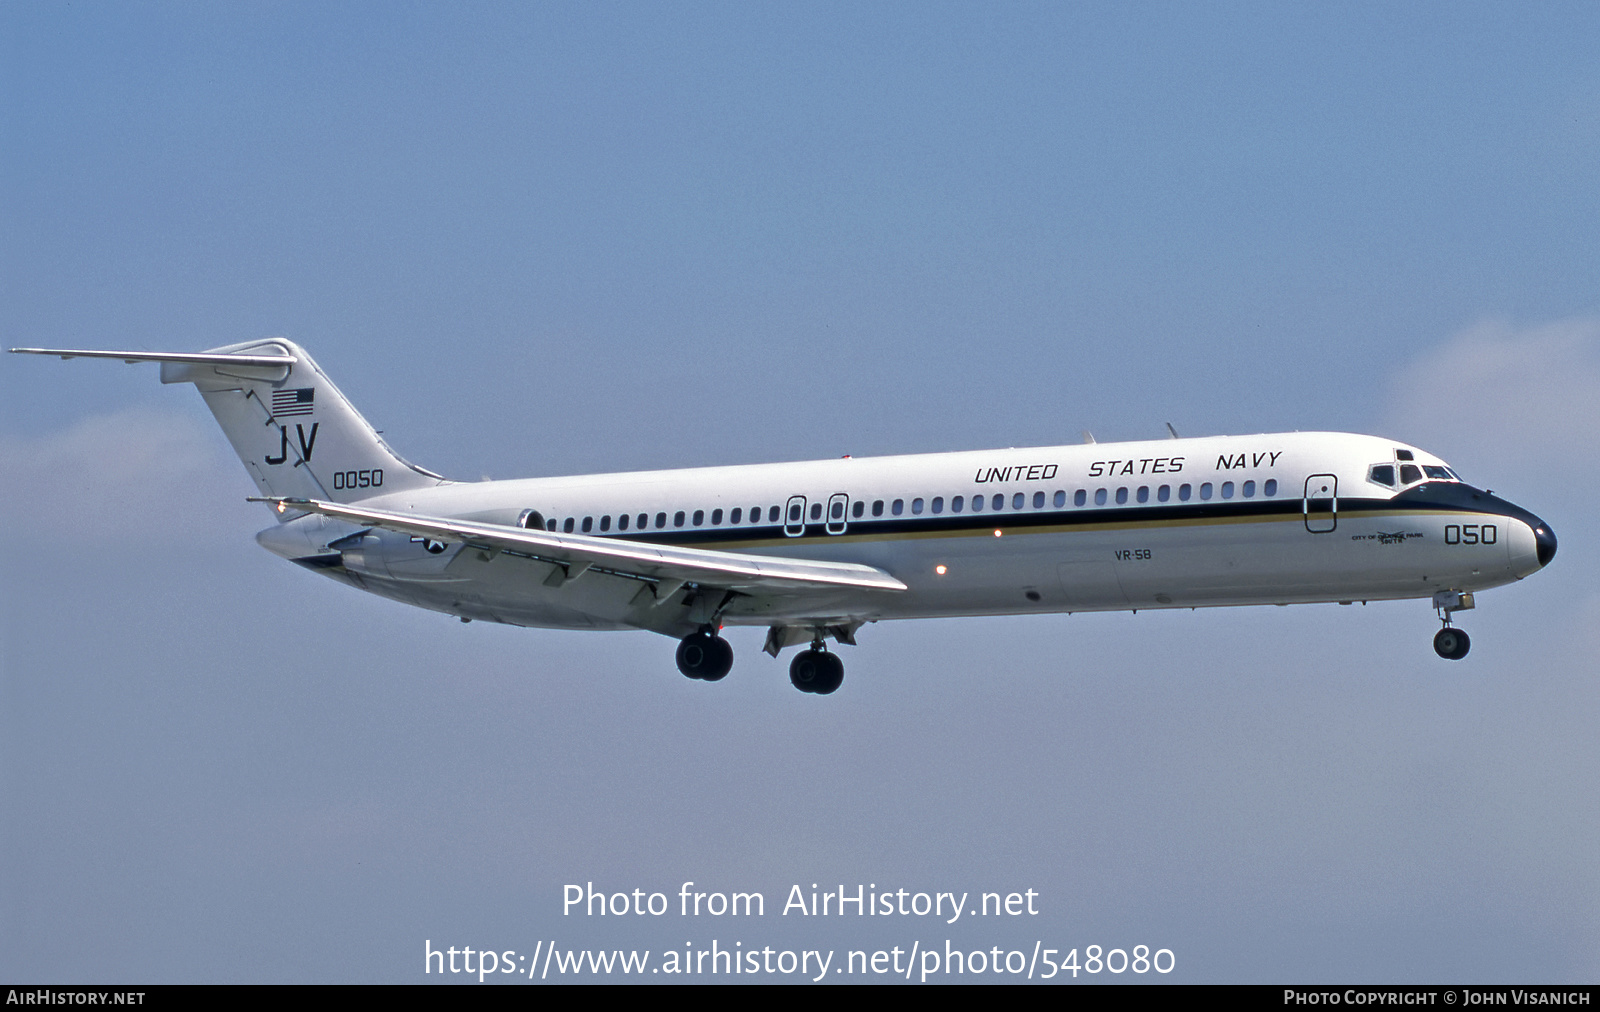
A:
(997, 532)
(939, 569)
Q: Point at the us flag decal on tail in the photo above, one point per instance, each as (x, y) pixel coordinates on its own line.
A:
(292, 402)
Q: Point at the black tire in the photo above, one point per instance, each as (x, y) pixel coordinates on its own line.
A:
(805, 670)
(1451, 644)
(719, 660)
(705, 656)
(693, 651)
(832, 674)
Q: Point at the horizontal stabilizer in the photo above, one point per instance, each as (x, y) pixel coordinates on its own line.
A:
(188, 358)
(730, 570)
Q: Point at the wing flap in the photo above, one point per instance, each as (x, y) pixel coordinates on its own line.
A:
(729, 570)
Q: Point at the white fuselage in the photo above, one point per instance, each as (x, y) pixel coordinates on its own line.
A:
(1230, 520)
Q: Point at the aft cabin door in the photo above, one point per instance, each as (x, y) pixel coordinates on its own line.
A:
(1322, 503)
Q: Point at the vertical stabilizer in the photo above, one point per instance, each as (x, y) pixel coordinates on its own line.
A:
(295, 432)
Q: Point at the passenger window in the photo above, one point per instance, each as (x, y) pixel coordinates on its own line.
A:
(957, 503)
(568, 524)
(1122, 495)
(1270, 488)
(737, 515)
(836, 511)
(716, 517)
(999, 503)
(622, 522)
(1410, 473)
(938, 504)
(1038, 500)
(1144, 493)
(773, 513)
(605, 522)
(1183, 492)
(858, 509)
(699, 518)
(1205, 490)
(877, 507)
(1080, 497)
(916, 506)
(1381, 474)
(1164, 493)
(1249, 490)
(661, 520)
(1061, 498)
(1227, 490)
(1016, 501)
(550, 525)
(677, 519)
(794, 513)
(899, 507)
(1099, 497)
(977, 504)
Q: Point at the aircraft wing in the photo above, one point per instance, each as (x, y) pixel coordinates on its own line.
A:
(579, 553)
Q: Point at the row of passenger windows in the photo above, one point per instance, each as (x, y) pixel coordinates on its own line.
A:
(898, 507)
(642, 521)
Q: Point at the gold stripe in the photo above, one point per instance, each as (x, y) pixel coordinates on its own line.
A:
(1123, 525)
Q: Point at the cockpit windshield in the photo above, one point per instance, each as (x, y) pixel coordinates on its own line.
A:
(1403, 473)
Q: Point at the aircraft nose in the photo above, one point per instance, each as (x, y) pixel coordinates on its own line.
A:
(1544, 540)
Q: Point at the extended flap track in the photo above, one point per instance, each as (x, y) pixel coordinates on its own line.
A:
(658, 588)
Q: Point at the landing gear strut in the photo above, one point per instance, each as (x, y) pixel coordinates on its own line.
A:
(816, 670)
(705, 655)
(1451, 643)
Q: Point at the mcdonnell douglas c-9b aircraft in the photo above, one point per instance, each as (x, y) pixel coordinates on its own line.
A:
(815, 550)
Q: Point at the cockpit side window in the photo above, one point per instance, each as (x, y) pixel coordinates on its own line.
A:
(1381, 474)
(1410, 473)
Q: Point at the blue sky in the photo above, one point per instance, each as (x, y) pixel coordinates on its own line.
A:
(563, 239)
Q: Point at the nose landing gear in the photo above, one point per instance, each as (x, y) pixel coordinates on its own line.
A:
(705, 655)
(1451, 643)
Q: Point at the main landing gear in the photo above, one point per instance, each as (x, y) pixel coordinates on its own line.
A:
(705, 655)
(816, 670)
(1451, 643)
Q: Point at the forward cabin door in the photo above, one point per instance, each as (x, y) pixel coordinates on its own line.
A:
(794, 516)
(1322, 503)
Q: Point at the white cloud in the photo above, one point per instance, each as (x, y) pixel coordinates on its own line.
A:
(1497, 399)
(111, 475)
